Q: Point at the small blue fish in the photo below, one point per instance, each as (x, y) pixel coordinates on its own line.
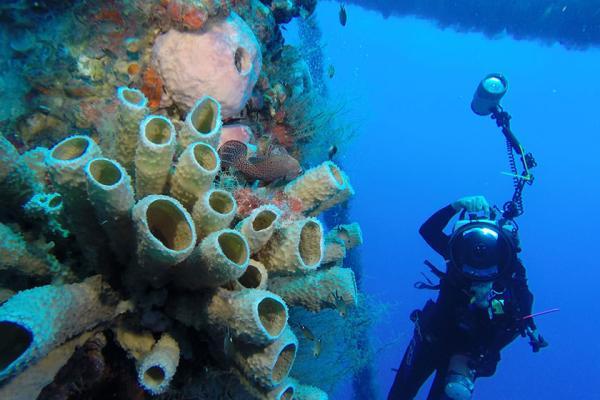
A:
(343, 15)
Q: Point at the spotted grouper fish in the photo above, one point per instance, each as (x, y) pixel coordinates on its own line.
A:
(276, 165)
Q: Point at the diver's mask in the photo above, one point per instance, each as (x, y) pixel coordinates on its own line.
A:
(482, 250)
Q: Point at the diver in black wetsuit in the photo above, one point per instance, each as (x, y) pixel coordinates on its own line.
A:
(483, 299)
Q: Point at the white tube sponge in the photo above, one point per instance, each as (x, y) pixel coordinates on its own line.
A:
(202, 124)
(267, 366)
(165, 236)
(157, 368)
(259, 226)
(351, 234)
(154, 155)
(110, 192)
(255, 277)
(221, 257)
(296, 246)
(213, 211)
(131, 109)
(318, 185)
(194, 173)
(318, 290)
(250, 315)
(307, 392)
(35, 321)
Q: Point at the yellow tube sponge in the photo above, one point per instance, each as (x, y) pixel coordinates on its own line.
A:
(341, 197)
(194, 173)
(202, 124)
(255, 277)
(135, 343)
(165, 236)
(157, 368)
(213, 211)
(35, 321)
(250, 315)
(296, 246)
(351, 234)
(221, 257)
(307, 392)
(110, 192)
(259, 226)
(131, 109)
(317, 186)
(335, 250)
(270, 365)
(330, 288)
(154, 155)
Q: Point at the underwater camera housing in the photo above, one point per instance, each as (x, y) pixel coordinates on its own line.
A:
(488, 94)
(483, 248)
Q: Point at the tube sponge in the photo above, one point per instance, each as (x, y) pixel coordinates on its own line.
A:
(110, 192)
(351, 234)
(202, 124)
(321, 289)
(220, 258)
(35, 321)
(307, 392)
(17, 181)
(335, 250)
(295, 247)
(259, 226)
(157, 368)
(320, 185)
(165, 236)
(255, 277)
(194, 173)
(250, 315)
(267, 366)
(213, 211)
(341, 197)
(154, 155)
(131, 109)
(19, 256)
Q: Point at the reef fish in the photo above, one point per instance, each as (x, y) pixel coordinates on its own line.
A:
(343, 15)
(317, 348)
(276, 165)
(330, 71)
(307, 332)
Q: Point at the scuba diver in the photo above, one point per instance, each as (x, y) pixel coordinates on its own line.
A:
(484, 302)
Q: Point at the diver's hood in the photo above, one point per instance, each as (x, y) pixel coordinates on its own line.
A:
(480, 250)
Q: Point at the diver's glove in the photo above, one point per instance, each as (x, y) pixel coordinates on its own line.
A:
(536, 340)
(472, 204)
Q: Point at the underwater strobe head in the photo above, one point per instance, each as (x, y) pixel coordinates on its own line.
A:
(481, 251)
(488, 94)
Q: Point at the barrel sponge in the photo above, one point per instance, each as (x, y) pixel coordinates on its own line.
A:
(259, 226)
(213, 211)
(318, 185)
(270, 365)
(256, 276)
(220, 258)
(307, 392)
(317, 290)
(35, 321)
(351, 234)
(110, 192)
(194, 173)
(335, 250)
(202, 124)
(296, 246)
(131, 109)
(154, 155)
(165, 236)
(156, 369)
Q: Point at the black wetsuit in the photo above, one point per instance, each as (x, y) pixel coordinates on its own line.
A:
(452, 326)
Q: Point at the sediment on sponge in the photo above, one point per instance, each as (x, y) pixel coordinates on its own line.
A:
(202, 124)
(296, 246)
(251, 316)
(213, 211)
(317, 290)
(221, 257)
(165, 236)
(157, 368)
(35, 321)
(153, 155)
(259, 226)
(194, 173)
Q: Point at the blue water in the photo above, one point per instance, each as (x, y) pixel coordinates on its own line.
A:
(420, 147)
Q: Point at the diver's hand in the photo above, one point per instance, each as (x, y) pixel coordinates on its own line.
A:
(536, 340)
(472, 204)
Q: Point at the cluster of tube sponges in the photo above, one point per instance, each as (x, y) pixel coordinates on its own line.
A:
(152, 179)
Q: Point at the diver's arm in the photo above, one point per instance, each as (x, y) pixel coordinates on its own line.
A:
(433, 230)
(522, 294)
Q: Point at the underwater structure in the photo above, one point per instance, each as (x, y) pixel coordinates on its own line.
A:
(160, 224)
